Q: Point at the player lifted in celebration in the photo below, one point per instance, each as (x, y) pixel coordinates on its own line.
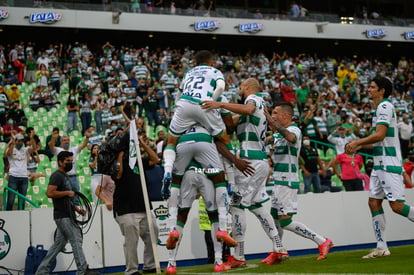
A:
(386, 179)
(251, 130)
(202, 82)
(194, 182)
(287, 142)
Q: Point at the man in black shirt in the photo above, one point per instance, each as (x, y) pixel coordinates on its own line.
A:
(309, 165)
(129, 207)
(60, 190)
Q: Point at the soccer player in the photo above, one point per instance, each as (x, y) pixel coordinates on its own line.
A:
(197, 144)
(251, 130)
(287, 142)
(386, 179)
(202, 82)
(195, 182)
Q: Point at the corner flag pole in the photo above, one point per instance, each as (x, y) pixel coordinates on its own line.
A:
(146, 199)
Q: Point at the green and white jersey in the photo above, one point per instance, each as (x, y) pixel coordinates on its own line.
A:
(321, 125)
(199, 83)
(141, 71)
(285, 158)
(3, 100)
(196, 134)
(251, 130)
(387, 153)
(131, 93)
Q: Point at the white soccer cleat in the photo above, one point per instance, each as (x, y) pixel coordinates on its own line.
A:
(377, 253)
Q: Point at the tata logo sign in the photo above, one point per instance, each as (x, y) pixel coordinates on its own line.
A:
(408, 35)
(3, 14)
(210, 25)
(44, 17)
(375, 33)
(250, 27)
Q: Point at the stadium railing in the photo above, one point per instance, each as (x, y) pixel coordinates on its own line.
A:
(125, 6)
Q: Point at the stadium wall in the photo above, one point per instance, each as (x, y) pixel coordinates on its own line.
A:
(344, 217)
(189, 24)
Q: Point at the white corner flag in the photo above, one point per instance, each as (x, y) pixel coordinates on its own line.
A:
(133, 144)
(134, 157)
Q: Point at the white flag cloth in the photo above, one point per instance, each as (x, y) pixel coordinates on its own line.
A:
(133, 142)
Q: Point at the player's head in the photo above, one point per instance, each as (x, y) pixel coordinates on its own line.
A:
(248, 87)
(203, 57)
(283, 113)
(383, 83)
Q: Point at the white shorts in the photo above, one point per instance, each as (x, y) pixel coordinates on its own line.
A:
(253, 188)
(205, 153)
(197, 183)
(285, 200)
(386, 185)
(187, 114)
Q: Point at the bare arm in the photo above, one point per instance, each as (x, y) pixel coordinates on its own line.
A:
(242, 165)
(378, 135)
(289, 136)
(241, 109)
(52, 192)
(153, 157)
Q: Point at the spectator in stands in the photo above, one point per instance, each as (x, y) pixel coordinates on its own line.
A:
(72, 107)
(85, 112)
(48, 152)
(36, 99)
(17, 114)
(333, 119)
(13, 94)
(96, 176)
(151, 106)
(10, 129)
(4, 102)
(350, 171)
(75, 150)
(42, 76)
(30, 76)
(49, 98)
(408, 170)
(17, 157)
(405, 129)
(303, 11)
(326, 181)
(294, 11)
(32, 163)
(340, 137)
(310, 165)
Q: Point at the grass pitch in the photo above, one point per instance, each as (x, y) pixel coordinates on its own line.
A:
(401, 261)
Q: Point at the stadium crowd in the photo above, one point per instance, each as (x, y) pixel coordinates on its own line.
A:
(105, 88)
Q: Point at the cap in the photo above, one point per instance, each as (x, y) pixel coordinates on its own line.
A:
(411, 151)
(14, 86)
(19, 136)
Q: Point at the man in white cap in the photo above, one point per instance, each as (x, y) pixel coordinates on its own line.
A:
(17, 157)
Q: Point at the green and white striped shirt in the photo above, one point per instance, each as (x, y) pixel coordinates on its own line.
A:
(251, 131)
(387, 153)
(285, 158)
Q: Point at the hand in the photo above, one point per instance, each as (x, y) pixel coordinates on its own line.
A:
(352, 146)
(71, 194)
(210, 105)
(244, 167)
(80, 211)
(109, 205)
(307, 174)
